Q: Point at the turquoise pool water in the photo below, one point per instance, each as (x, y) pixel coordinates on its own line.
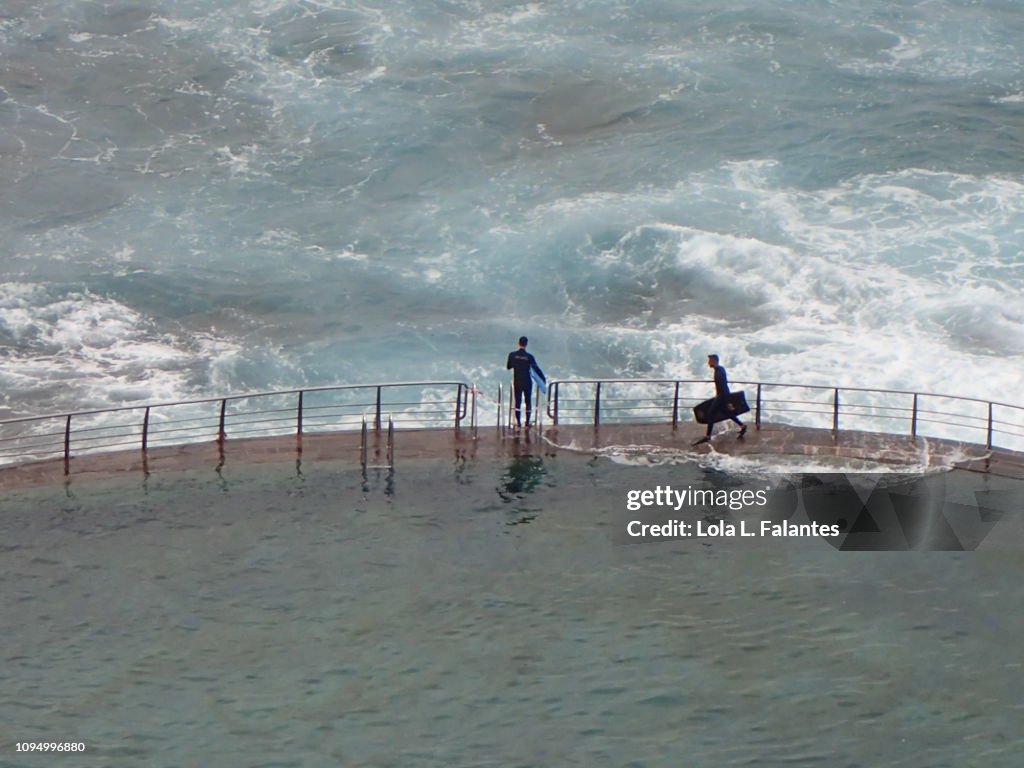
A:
(464, 613)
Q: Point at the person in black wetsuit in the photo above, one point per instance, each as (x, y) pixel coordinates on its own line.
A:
(520, 363)
(719, 409)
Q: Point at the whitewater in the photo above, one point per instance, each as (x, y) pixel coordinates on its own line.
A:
(203, 198)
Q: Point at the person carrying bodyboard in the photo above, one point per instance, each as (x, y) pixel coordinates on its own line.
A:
(720, 407)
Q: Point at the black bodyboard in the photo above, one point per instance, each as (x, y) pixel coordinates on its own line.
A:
(736, 404)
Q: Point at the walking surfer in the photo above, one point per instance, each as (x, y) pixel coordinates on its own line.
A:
(720, 406)
(522, 364)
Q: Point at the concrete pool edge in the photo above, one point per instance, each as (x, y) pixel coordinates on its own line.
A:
(494, 443)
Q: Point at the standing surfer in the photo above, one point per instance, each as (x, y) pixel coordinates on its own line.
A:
(523, 366)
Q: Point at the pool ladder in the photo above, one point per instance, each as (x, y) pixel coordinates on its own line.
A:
(364, 445)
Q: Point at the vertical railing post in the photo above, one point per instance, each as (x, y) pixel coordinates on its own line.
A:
(221, 433)
(391, 442)
(757, 409)
(913, 418)
(298, 416)
(554, 417)
(67, 443)
(145, 430)
(501, 396)
(458, 406)
(988, 439)
(675, 407)
(472, 413)
(835, 412)
(376, 418)
(597, 405)
(538, 413)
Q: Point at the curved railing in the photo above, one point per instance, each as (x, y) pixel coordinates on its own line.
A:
(422, 404)
(916, 414)
(453, 404)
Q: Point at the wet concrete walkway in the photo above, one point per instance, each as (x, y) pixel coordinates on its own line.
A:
(492, 443)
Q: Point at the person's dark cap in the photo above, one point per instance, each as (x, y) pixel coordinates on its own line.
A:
(523, 341)
(713, 357)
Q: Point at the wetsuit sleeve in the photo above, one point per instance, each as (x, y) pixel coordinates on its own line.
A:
(508, 364)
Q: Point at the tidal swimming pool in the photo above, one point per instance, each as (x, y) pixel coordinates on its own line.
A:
(480, 613)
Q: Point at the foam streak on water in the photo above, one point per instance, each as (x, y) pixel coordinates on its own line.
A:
(209, 197)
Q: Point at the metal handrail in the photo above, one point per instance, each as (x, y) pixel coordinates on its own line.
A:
(601, 406)
(102, 437)
(790, 385)
(229, 398)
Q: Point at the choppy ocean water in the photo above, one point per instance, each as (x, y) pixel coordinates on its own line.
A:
(202, 198)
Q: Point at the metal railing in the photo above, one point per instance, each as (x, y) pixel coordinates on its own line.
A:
(916, 414)
(410, 405)
(507, 409)
(453, 404)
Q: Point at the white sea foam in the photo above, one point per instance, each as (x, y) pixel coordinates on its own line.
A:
(762, 465)
(939, 45)
(241, 161)
(413, 185)
(869, 277)
(93, 352)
